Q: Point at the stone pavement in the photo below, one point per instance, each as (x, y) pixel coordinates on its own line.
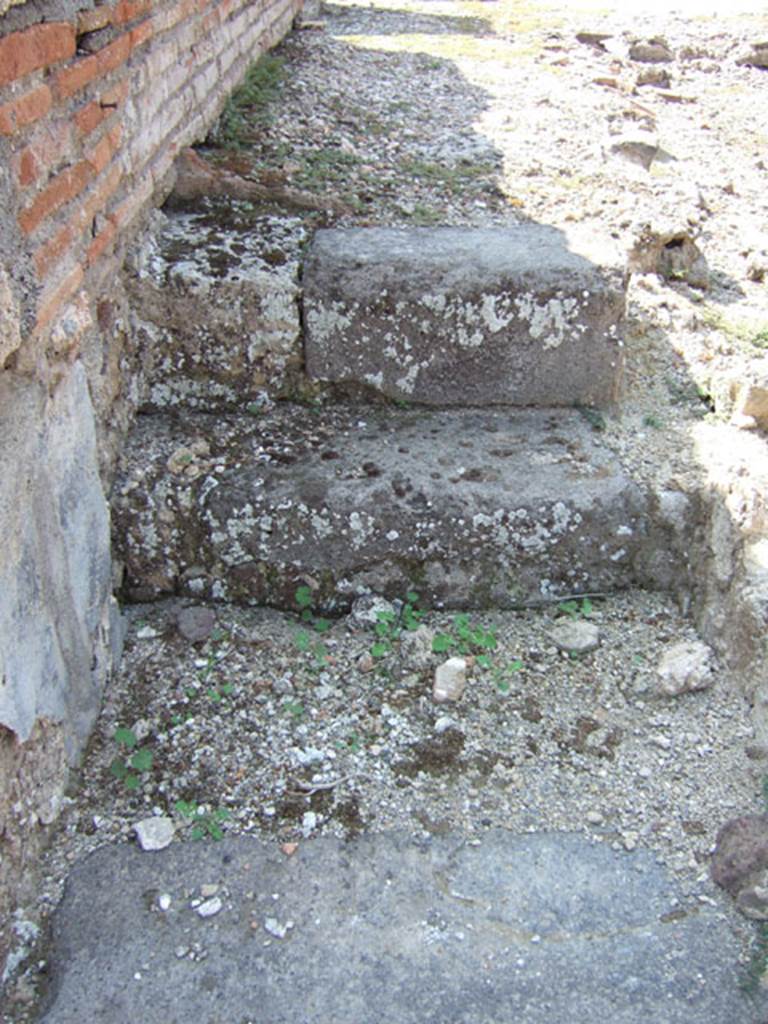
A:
(527, 929)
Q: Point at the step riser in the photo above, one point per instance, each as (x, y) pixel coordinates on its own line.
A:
(460, 317)
(472, 508)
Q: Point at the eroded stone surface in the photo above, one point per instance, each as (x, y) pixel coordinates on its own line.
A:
(215, 293)
(472, 507)
(531, 929)
(450, 316)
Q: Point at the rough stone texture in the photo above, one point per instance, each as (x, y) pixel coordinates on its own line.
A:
(55, 569)
(155, 833)
(450, 680)
(470, 507)
(741, 852)
(196, 624)
(534, 929)
(575, 636)
(667, 247)
(651, 51)
(684, 667)
(215, 295)
(10, 336)
(453, 316)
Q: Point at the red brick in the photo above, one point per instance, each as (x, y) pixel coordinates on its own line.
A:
(24, 110)
(90, 116)
(129, 10)
(33, 48)
(50, 252)
(27, 167)
(115, 54)
(104, 150)
(97, 199)
(142, 33)
(65, 186)
(76, 76)
(52, 301)
(115, 96)
(100, 243)
(92, 21)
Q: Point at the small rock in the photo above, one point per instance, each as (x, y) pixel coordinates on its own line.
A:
(684, 667)
(289, 848)
(595, 817)
(757, 58)
(366, 662)
(668, 250)
(658, 77)
(196, 624)
(365, 610)
(164, 901)
(741, 853)
(639, 148)
(276, 929)
(416, 648)
(651, 51)
(575, 636)
(450, 680)
(208, 890)
(757, 266)
(752, 402)
(154, 833)
(443, 724)
(752, 900)
(210, 907)
(147, 633)
(308, 823)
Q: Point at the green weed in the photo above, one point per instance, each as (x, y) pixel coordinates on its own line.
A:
(248, 106)
(467, 638)
(389, 625)
(205, 823)
(576, 609)
(129, 766)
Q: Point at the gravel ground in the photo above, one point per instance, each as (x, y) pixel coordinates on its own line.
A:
(478, 113)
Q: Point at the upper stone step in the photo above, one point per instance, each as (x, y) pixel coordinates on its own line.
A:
(472, 507)
(462, 316)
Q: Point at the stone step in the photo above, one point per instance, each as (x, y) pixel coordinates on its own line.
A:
(460, 316)
(529, 929)
(474, 508)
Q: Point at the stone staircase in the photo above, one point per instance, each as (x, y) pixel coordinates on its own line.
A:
(457, 461)
(393, 409)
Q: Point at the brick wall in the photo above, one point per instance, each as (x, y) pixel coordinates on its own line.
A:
(95, 104)
(96, 100)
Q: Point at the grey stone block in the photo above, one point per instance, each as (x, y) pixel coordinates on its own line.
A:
(55, 565)
(475, 508)
(454, 316)
(533, 929)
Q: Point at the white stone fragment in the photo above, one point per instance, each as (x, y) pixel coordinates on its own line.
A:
(210, 907)
(154, 833)
(575, 636)
(164, 901)
(684, 667)
(450, 680)
(275, 928)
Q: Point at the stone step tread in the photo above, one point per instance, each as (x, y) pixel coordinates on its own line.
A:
(483, 507)
(544, 928)
(464, 316)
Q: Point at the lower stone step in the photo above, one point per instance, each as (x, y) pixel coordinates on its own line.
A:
(532, 929)
(472, 508)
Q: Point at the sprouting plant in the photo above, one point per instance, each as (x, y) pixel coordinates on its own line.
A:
(389, 625)
(205, 822)
(576, 609)
(467, 638)
(294, 708)
(305, 641)
(129, 766)
(502, 675)
(594, 417)
(218, 693)
(649, 420)
(353, 743)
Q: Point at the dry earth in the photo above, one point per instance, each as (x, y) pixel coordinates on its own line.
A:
(480, 113)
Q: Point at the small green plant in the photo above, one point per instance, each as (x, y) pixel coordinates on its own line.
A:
(389, 625)
(353, 743)
(294, 708)
(649, 420)
(502, 676)
(306, 641)
(575, 609)
(594, 417)
(466, 638)
(129, 766)
(205, 822)
(218, 693)
(247, 107)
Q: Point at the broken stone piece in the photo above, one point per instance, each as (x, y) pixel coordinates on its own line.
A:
(757, 58)
(575, 636)
(154, 833)
(658, 77)
(684, 667)
(210, 907)
(741, 852)
(196, 623)
(639, 148)
(416, 648)
(450, 680)
(651, 51)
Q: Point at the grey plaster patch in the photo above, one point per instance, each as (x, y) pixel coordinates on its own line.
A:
(55, 567)
(532, 929)
(457, 316)
(474, 507)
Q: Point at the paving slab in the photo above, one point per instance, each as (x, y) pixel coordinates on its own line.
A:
(476, 508)
(518, 929)
(460, 316)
